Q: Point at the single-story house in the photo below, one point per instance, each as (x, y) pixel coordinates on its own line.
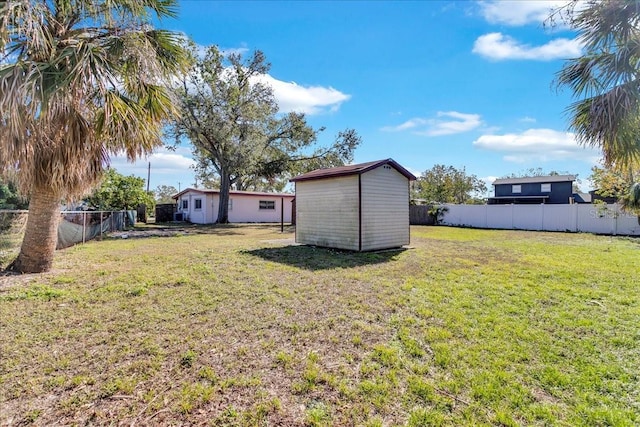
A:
(554, 189)
(200, 206)
(359, 207)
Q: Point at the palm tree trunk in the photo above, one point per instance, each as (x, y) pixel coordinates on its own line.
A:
(41, 233)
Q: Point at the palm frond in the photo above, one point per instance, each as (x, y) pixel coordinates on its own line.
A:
(606, 79)
(632, 201)
(86, 78)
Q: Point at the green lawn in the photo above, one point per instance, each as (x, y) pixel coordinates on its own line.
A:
(228, 326)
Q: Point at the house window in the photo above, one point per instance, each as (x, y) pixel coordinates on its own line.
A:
(545, 188)
(267, 204)
(185, 204)
(230, 204)
(516, 188)
(198, 204)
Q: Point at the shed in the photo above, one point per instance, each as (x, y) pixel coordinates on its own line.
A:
(361, 207)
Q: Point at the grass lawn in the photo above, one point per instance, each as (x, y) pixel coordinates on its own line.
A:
(227, 326)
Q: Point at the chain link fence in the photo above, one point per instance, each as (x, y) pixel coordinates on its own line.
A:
(75, 227)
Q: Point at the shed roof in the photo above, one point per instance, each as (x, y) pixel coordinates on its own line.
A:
(535, 179)
(352, 170)
(232, 192)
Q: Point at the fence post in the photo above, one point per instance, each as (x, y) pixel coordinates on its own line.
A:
(101, 225)
(84, 226)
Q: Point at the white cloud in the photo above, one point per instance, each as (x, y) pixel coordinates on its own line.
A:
(409, 124)
(163, 161)
(304, 99)
(201, 49)
(414, 171)
(527, 119)
(537, 145)
(167, 167)
(290, 96)
(226, 51)
(463, 123)
(498, 47)
(488, 180)
(170, 161)
(445, 123)
(517, 13)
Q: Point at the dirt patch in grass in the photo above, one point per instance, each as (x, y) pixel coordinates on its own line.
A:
(175, 229)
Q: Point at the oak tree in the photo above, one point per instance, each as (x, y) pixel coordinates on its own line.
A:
(231, 117)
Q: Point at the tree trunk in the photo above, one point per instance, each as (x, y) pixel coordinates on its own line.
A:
(223, 208)
(41, 234)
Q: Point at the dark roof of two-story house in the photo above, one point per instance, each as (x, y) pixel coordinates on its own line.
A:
(533, 190)
(535, 179)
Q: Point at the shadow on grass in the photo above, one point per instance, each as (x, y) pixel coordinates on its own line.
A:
(315, 258)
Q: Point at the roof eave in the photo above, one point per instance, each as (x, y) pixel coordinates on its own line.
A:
(360, 171)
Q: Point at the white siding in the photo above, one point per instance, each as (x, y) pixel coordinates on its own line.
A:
(327, 212)
(197, 216)
(191, 214)
(246, 208)
(211, 214)
(385, 209)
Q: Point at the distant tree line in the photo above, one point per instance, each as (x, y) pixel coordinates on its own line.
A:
(447, 184)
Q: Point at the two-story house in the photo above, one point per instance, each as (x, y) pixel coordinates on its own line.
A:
(555, 189)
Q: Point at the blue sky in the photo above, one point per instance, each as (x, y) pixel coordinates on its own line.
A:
(461, 83)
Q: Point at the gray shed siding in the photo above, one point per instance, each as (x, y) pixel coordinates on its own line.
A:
(327, 212)
(385, 209)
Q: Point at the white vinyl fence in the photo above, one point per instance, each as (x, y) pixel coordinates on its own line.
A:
(588, 218)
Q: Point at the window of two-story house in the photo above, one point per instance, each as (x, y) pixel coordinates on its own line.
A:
(545, 188)
(516, 188)
(267, 204)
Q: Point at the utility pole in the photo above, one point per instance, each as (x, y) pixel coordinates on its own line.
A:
(148, 176)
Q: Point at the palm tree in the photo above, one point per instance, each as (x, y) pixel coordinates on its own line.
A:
(606, 79)
(80, 80)
(631, 201)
